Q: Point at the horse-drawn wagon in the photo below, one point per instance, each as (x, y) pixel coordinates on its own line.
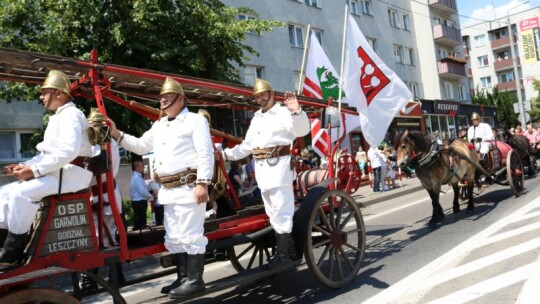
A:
(328, 226)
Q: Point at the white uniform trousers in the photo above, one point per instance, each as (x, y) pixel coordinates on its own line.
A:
(108, 220)
(19, 201)
(279, 206)
(184, 228)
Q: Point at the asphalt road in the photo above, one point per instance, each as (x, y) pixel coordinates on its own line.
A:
(490, 256)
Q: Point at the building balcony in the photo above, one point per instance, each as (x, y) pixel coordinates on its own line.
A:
(451, 70)
(508, 86)
(448, 6)
(504, 42)
(504, 64)
(446, 35)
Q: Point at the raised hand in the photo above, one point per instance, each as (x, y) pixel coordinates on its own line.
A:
(291, 102)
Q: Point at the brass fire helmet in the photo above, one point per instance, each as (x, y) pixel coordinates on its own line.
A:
(57, 80)
(98, 132)
(260, 86)
(171, 86)
(475, 116)
(206, 115)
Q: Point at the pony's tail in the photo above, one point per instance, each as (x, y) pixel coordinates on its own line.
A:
(477, 166)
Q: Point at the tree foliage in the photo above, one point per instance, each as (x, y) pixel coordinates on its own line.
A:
(535, 103)
(201, 38)
(502, 100)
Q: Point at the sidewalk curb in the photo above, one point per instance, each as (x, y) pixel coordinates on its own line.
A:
(373, 198)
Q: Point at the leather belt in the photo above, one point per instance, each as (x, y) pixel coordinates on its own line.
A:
(271, 152)
(188, 177)
(95, 190)
(80, 161)
(95, 205)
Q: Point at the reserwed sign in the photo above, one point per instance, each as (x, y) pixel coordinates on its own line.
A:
(530, 37)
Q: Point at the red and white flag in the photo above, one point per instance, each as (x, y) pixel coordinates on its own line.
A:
(370, 86)
(319, 138)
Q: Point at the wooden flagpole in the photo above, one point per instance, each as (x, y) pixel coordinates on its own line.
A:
(306, 46)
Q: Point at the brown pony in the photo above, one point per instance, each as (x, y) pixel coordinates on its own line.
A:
(521, 144)
(436, 165)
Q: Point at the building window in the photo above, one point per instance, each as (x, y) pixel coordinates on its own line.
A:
(251, 73)
(247, 17)
(507, 77)
(314, 3)
(482, 61)
(367, 8)
(13, 146)
(406, 22)
(409, 56)
(480, 40)
(295, 36)
(461, 90)
(449, 90)
(318, 34)
(7, 146)
(398, 53)
(485, 81)
(373, 44)
(393, 18)
(413, 86)
(353, 7)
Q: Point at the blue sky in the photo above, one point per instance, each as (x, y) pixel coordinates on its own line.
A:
(490, 9)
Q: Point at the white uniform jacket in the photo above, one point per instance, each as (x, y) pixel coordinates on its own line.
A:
(65, 138)
(179, 144)
(276, 127)
(483, 130)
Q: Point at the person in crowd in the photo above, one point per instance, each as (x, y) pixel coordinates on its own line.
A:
(235, 177)
(375, 158)
(533, 136)
(184, 163)
(361, 159)
(58, 168)
(270, 135)
(519, 129)
(158, 208)
(480, 134)
(140, 195)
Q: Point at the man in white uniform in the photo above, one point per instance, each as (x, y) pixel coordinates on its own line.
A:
(184, 162)
(269, 137)
(63, 149)
(483, 131)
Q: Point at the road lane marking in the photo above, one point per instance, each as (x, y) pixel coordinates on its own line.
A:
(401, 207)
(409, 284)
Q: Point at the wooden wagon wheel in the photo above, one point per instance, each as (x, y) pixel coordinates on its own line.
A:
(253, 255)
(336, 239)
(514, 173)
(38, 295)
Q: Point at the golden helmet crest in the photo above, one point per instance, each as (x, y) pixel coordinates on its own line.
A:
(171, 86)
(57, 80)
(475, 116)
(206, 115)
(260, 86)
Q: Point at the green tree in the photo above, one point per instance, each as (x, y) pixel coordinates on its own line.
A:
(502, 100)
(201, 38)
(535, 103)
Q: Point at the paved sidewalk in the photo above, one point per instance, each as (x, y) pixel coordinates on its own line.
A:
(366, 196)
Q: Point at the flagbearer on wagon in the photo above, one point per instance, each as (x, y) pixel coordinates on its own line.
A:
(64, 147)
(269, 138)
(184, 163)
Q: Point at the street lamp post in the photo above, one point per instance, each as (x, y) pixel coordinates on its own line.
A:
(514, 64)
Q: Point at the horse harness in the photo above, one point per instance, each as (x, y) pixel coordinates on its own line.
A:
(434, 155)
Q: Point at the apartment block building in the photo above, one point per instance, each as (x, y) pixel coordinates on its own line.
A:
(488, 49)
(420, 40)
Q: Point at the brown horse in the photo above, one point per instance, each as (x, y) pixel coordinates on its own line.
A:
(521, 144)
(437, 165)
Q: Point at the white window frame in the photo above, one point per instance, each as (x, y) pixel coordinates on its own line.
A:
(461, 90)
(313, 3)
(406, 22)
(413, 86)
(480, 40)
(354, 7)
(485, 82)
(367, 7)
(398, 53)
(252, 72)
(508, 75)
(16, 145)
(393, 18)
(449, 90)
(408, 56)
(294, 40)
(482, 61)
(373, 43)
(319, 35)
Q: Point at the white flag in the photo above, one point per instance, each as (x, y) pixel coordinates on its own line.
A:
(370, 86)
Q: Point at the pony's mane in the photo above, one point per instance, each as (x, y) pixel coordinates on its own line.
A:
(421, 142)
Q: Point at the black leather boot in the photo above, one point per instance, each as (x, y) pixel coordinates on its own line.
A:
(119, 273)
(86, 284)
(3, 235)
(194, 282)
(281, 257)
(13, 250)
(181, 272)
